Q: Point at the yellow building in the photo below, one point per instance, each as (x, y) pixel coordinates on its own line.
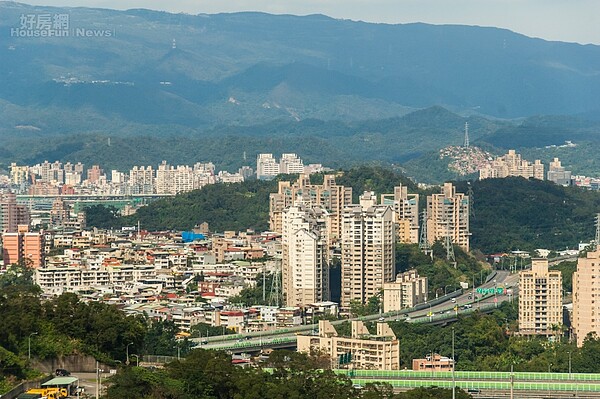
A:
(448, 215)
(368, 248)
(511, 164)
(407, 291)
(329, 195)
(406, 213)
(363, 350)
(586, 297)
(540, 300)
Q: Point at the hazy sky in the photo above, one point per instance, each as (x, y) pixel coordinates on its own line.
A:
(564, 20)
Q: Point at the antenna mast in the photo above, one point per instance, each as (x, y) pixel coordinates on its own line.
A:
(466, 144)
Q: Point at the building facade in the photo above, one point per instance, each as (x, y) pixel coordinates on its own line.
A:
(406, 213)
(305, 255)
(362, 350)
(266, 167)
(558, 174)
(329, 195)
(368, 250)
(540, 300)
(586, 297)
(433, 362)
(12, 215)
(448, 216)
(512, 164)
(408, 290)
(24, 247)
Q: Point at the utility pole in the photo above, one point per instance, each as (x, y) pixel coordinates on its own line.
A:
(264, 273)
(512, 382)
(127, 353)
(97, 380)
(453, 368)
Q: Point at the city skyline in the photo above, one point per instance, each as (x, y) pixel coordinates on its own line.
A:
(550, 20)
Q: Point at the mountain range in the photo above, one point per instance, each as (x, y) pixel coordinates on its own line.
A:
(159, 75)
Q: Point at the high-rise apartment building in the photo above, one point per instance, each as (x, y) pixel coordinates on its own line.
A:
(24, 247)
(448, 216)
(558, 174)
(19, 175)
(540, 300)
(305, 257)
(330, 195)
(291, 164)
(266, 167)
(406, 213)
(586, 297)
(512, 164)
(11, 214)
(367, 243)
(94, 174)
(141, 180)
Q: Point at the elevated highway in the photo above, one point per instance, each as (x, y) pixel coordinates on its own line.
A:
(441, 310)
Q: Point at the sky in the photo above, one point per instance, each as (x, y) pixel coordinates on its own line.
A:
(562, 20)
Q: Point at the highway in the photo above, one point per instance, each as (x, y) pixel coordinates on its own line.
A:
(438, 311)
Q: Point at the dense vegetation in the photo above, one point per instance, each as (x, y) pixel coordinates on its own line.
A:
(235, 206)
(65, 325)
(515, 213)
(210, 375)
(440, 271)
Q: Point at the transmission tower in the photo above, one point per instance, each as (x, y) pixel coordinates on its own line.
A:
(275, 295)
(423, 243)
(466, 144)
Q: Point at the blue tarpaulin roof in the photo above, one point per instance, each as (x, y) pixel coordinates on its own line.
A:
(190, 236)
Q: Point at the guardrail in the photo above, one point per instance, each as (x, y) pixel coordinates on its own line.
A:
(496, 385)
(251, 344)
(473, 375)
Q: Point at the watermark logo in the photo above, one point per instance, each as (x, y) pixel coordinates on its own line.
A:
(53, 25)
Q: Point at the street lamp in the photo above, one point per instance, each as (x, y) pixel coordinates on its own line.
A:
(137, 360)
(549, 366)
(29, 344)
(569, 364)
(446, 286)
(127, 353)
